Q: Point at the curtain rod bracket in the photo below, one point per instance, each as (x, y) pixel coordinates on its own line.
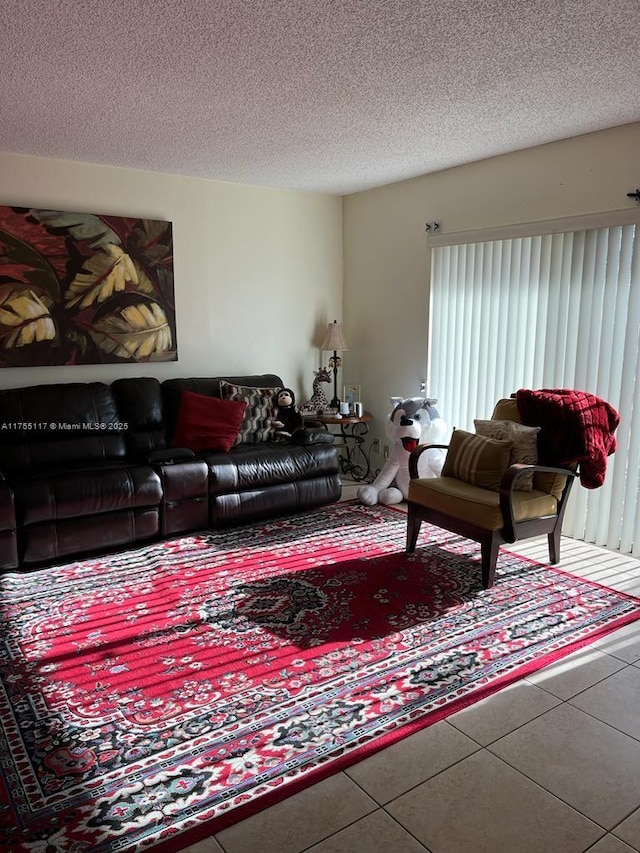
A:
(635, 195)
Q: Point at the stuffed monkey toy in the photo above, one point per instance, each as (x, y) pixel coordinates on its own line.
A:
(288, 419)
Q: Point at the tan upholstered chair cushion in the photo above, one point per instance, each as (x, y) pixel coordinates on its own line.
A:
(477, 460)
(479, 506)
(506, 410)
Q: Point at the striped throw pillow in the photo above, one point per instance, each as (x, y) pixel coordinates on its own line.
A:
(259, 414)
(477, 460)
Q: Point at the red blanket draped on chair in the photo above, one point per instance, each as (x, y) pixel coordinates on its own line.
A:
(577, 427)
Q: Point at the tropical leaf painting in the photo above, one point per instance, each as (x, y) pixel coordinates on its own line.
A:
(24, 318)
(139, 331)
(80, 288)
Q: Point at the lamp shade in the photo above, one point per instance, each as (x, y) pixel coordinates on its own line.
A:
(334, 338)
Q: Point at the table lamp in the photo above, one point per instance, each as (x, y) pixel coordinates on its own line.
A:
(335, 341)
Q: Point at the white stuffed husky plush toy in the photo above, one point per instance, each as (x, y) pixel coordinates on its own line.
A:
(412, 422)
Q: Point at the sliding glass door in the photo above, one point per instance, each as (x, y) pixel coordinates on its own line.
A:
(556, 310)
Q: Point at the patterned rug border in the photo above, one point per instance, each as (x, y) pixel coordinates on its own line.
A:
(240, 813)
(365, 751)
(329, 765)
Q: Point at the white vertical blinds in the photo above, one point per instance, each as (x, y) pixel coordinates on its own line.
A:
(557, 310)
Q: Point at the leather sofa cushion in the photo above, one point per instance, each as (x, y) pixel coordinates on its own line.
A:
(36, 455)
(255, 466)
(480, 506)
(244, 506)
(139, 403)
(75, 493)
(45, 425)
(55, 539)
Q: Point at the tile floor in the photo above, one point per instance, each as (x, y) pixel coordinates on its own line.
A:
(548, 765)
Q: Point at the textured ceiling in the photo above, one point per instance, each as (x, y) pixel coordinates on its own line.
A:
(327, 95)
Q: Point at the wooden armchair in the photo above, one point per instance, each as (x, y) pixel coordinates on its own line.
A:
(496, 501)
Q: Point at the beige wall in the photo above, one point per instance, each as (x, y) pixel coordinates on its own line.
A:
(387, 260)
(258, 272)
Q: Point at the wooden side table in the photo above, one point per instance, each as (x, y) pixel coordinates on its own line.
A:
(354, 460)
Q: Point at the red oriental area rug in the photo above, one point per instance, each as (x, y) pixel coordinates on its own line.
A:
(172, 690)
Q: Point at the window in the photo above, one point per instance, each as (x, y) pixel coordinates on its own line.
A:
(552, 310)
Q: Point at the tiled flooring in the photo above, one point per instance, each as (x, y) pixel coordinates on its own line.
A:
(549, 765)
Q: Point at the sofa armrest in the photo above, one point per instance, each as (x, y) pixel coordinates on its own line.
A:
(312, 435)
(169, 455)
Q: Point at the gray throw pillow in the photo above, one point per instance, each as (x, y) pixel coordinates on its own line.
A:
(524, 441)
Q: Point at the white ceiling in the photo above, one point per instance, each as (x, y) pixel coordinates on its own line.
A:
(327, 95)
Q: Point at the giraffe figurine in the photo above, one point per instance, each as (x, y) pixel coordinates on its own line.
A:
(318, 401)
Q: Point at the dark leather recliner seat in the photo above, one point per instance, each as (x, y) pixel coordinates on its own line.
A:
(64, 456)
(238, 480)
(62, 509)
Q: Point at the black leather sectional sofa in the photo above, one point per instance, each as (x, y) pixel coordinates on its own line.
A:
(88, 467)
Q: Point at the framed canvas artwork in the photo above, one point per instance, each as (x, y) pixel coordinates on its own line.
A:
(82, 288)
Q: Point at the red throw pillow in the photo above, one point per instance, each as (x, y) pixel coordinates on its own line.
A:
(207, 423)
